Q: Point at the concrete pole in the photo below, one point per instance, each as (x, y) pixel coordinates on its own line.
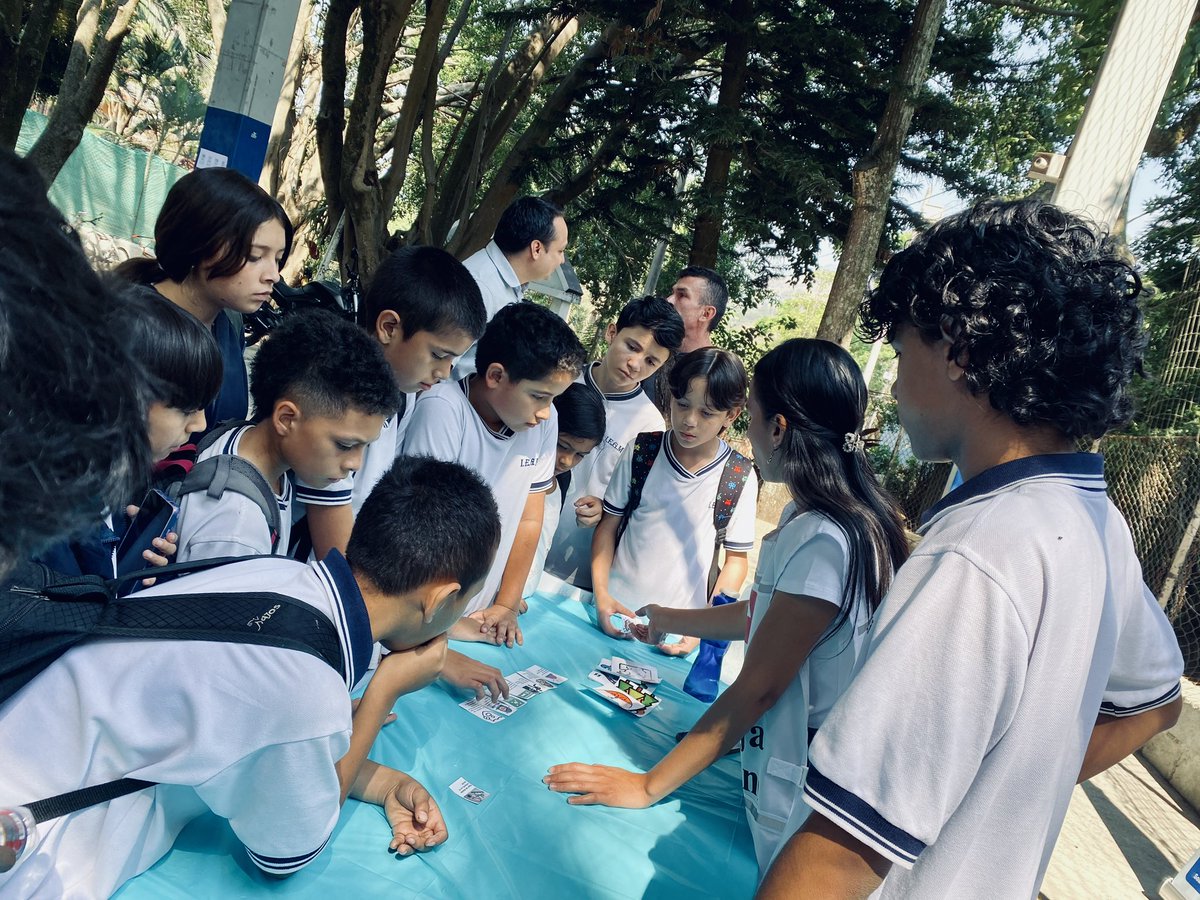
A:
(247, 85)
(1122, 107)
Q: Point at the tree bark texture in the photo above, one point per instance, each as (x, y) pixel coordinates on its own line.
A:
(474, 233)
(710, 215)
(89, 66)
(25, 30)
(873, 177)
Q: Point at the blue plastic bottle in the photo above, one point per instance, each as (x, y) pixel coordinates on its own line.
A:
(705, 675)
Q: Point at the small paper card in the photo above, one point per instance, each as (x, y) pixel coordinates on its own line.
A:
(468, 791)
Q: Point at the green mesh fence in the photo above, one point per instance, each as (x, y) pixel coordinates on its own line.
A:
(111, 193)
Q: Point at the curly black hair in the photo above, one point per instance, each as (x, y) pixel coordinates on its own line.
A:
(1040, 306)
(530, 342)
(326, 364)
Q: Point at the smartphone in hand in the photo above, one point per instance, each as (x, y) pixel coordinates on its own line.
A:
(156, 517)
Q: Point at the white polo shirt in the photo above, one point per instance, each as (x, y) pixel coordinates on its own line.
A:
(513, 464)
(499, 285)
(626, 416)
(232, 525)
(666, 551)
(806, 555)
(250, 732)
(1020, 616)
(550, 519)
(378, 457)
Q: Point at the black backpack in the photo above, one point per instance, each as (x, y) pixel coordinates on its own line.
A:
(43, 614)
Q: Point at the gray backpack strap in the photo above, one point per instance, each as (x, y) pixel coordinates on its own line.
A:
(226, 472)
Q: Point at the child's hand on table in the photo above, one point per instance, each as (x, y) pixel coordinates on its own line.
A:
(599, 785)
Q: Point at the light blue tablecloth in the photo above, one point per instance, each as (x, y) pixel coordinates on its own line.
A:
(523, 841)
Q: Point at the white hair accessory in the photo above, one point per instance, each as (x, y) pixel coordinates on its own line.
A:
(852, 442)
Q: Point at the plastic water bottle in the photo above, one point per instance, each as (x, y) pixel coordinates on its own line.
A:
(705, 675)
(18, 834)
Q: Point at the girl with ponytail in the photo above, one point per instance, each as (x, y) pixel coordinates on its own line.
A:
(821, 574)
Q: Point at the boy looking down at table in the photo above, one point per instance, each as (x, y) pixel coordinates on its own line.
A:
(424, 309)
(262, 736)
(501, 423)
(322, 390)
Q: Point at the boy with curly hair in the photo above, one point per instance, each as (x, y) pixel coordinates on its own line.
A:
(1018, 651)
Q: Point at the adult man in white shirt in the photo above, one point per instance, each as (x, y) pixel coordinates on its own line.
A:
(700, 296)
(530, 242)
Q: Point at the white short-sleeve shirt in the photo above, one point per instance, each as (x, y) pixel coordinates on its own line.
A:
(513, 464)
(251, 732)
(498, 284)
(665, 553)
(232, 525)
(378, 457)
(806, 555)
(626, 416)
(551, 515)
(1020, 616)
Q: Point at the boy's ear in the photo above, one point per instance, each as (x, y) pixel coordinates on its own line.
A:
(435, 596)
(610, 332)
(494, 375)
(956, 365)
(285, 416)
(388, 327)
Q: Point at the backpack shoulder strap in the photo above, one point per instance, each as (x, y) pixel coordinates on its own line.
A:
(645, 450)
(226, 472)
(729, 491)
(250, 617)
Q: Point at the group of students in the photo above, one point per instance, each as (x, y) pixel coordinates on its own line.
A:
(933, 705)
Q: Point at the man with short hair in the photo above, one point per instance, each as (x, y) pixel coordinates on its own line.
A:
(700, 297)
(530, 242)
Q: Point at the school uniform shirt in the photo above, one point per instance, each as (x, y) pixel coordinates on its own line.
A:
(498, 284)
(513, 464)
(626, 416)
(806, 555)
(378, 457)
(665, 553)
(1020, 616)
(232, 524)
(252, 733)
(550, 519)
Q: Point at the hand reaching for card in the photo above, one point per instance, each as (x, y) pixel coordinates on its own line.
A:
(588, 511)
(600, 785)
(415, 818)
(606, 605)
(682, 647)
(465, 673)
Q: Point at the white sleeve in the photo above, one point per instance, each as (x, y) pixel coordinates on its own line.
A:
(616, 495)
(436, 429)
(815, 568)
(543, 475)
(282, 801)
(740, 533)
(337, 494)
(902, 746)
(1148, 664)
(232, 525)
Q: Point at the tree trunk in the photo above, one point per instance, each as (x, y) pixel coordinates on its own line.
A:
(284, 121)
(477, 231)
(873, 177)
(331, 117)
(706, 236)
(503, 98)
(91, 62)
(22, 49)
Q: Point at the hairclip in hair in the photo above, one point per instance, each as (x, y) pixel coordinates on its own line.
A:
(852, 442)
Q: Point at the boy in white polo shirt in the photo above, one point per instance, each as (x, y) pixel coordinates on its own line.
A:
(501, 423)
(322, 390)
(260, 735)
(425, 310)
(1019, 650)
(646, 333)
